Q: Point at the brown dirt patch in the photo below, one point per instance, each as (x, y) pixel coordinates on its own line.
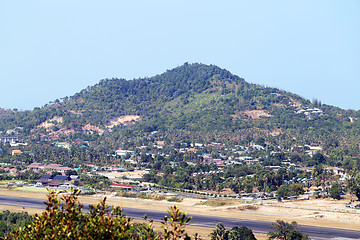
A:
(20, 209)
(48, 123)
(130, 175)
(275, 132)
(124, 120)
(294, 103)
(76, 112)
(256, 114)
(7, 192)
(92, 129)
(251, 114)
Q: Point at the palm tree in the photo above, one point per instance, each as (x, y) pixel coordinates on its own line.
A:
(265, 179)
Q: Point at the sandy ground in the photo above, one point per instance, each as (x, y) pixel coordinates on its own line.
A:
(130, 175)
(125, 120)
(316, 212)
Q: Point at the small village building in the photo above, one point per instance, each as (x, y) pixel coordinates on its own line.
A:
(160, 143)
(257, 147)
(18, 144)
(63, 145)
(121, 152)
(130, 161)
(8, 139)
(273, 168)
(248, 160)
(194, 150)
(74, 177)
(61, 179)
(44, 180)
(53, 184)
(221, 166)
(52, 181)
(46, 177)
(218, 161)
(117, 169)
(52, 167)
(338, 172)
(198, 145)
(16, 151)
(251, 161)
(126, 187)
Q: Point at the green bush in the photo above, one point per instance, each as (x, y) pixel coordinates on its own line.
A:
(68, 221)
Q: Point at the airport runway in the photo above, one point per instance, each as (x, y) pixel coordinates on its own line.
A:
(203, 220)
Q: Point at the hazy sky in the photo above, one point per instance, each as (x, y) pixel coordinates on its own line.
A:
(52, 49)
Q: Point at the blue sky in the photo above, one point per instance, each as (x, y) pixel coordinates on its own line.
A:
(53, 49)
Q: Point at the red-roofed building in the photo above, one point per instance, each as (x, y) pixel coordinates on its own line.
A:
(218, 161)
(126, 187)
(16, 151)
(55, 167)
(192, 150)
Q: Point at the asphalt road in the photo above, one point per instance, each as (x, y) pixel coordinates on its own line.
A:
(202, 220)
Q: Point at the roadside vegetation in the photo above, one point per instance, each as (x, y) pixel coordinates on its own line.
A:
(153, 196)
(218, 202)
(10, 221)
(69, 221)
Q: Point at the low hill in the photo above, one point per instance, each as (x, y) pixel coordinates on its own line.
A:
(197, 100)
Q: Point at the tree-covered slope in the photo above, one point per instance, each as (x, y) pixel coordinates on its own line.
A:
(195, 98)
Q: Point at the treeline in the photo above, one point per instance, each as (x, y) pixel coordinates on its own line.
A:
(10, 221)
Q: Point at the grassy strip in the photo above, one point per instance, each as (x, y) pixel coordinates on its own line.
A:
(31, 189)
(152, 196)
(218, 202)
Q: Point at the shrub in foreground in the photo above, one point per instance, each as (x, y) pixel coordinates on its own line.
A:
(69, 221)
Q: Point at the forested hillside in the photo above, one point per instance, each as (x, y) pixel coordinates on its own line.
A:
(197, 100)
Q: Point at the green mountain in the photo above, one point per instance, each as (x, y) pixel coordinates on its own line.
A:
(201, 101)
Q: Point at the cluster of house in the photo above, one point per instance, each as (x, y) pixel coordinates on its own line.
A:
(311, 112)
(55, 180)
(36, 167)
(187, 150)
(14, 141)
(14, 131)
(247, 160)
(51, 167)
(209, 160)
(231, 161)
(110, 168)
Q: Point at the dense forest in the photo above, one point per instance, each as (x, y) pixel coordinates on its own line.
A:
(202, 101)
